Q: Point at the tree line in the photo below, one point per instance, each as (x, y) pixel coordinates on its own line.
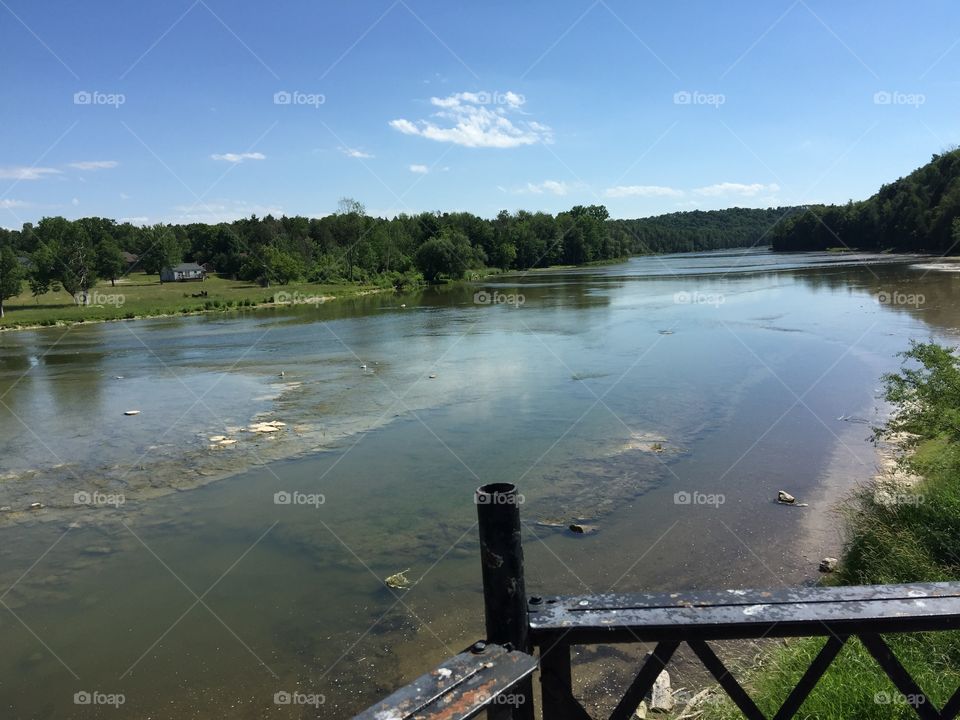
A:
(350, 246)
(916, 213)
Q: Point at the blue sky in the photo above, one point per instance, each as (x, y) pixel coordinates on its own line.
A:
(175, 111)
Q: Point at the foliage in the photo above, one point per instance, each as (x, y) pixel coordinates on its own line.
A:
(11, 274)
(916, 213)
(701, 230)
(351, 246)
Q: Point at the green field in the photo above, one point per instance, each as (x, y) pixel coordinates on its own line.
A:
(141, 295)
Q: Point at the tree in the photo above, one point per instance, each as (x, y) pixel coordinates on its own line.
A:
(109, 260)
(44, 271)
(11, 275)
(448, 254)
(272, 265)
(352, 214)
(163, 249)
(77, 270)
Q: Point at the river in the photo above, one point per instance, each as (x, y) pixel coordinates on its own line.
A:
(194, 569)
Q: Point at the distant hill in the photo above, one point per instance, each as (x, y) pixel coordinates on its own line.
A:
(916, 213)
(701, 230)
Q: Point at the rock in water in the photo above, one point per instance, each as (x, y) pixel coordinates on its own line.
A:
(641, 711)
(578, 529)
(661, 696)
(785, 497)
(828, 564)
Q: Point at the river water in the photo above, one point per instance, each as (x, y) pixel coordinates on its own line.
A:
(664, 400)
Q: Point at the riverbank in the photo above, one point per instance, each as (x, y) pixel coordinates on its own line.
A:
(139, 296)
(902, 528)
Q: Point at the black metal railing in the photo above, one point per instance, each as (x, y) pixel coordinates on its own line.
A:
(495, 674)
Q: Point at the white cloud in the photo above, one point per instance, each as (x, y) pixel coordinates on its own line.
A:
(737, 189)
(354, 153)
(124, 196)
(217, 211)
(27, 173)
(548, 186)
(139, 220)
(239, 157)
(9, 204)
(477, 120)
(420, 169)
(75, 202)
(94, 164)
(621, 191)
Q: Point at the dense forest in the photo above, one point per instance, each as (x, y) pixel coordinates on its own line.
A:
(702, 229)
(350, 246)
(917, 213)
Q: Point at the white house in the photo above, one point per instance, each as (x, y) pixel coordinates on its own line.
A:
(182, 273)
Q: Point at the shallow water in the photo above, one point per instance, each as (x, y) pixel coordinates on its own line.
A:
(196, 598)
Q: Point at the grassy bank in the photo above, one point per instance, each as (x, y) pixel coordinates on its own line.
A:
(142, 295)
(897, 532)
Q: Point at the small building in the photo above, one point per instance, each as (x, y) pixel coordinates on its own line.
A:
(183, 272)
(129, 259)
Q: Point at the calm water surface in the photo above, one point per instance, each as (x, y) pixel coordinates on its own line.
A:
(201, 597)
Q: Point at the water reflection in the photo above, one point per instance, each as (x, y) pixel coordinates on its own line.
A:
(577, 395)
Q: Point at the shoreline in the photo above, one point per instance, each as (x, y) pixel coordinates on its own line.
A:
(318, 300)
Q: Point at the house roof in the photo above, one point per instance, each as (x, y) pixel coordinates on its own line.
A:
(186, 267)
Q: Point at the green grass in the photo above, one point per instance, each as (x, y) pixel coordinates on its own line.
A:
(916, 539)
(141, 295)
